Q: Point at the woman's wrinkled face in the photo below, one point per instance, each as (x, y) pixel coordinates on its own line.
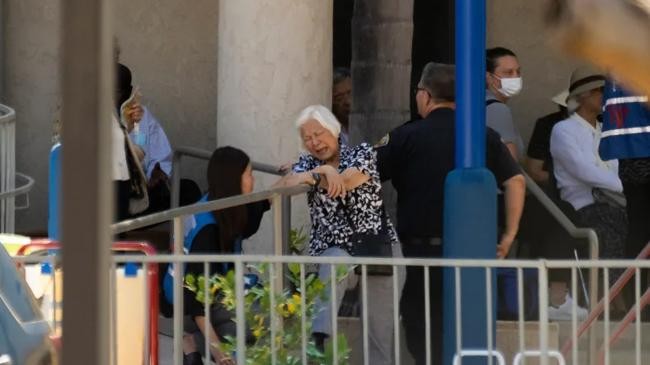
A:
(319, 141)
(247, 180)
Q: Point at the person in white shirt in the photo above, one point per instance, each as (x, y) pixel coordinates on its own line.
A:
(582, 177)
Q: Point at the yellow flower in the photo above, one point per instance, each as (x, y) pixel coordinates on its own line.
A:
(257, 332)
(214, 289)
(291, 308)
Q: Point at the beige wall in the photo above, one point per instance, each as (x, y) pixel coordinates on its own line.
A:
(171, 49)
(32, 88)
(275, 58)
(517, 24)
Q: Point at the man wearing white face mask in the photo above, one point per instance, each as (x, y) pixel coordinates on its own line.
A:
(503, 81)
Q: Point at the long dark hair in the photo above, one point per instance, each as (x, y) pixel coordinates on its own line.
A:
(225, 170)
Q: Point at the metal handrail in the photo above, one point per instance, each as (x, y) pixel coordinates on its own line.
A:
(7, 114)
(201, 207)
(574, 232)
(179, 152)
(24, 189)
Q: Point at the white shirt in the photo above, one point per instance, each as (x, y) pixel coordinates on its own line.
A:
(120, 168)
(576, 163)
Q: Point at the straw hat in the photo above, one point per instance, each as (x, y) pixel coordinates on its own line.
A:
(561, 97)
(585, 79)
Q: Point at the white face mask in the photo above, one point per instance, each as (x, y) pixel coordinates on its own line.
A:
(510, 86)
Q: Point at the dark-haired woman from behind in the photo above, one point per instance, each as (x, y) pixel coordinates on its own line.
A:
(218, 232)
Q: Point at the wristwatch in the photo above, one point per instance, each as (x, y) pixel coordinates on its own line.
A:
(316, 176)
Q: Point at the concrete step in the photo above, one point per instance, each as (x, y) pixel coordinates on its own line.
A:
(623, 352)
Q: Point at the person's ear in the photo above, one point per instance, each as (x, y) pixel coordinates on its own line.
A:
(489, 79)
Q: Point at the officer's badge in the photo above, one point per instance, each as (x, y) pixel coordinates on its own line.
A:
(383, 141)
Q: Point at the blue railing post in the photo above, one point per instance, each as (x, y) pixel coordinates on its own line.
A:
(470, 224)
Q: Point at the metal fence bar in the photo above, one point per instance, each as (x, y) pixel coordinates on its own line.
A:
(144, 269)
(427, 315)
(55, 305)
(364, 310)
(113, 312)
(637, 296)
(7, 168)
(206, 308)
(335, 313)
(178, 292)
(543, 313)
(574, 315)
(488, 296)
(520, 305)
(239, 313)
(303, 314)
(273, 317)
(396, 324)
(606, 324)
(459, 335)
(357, 260)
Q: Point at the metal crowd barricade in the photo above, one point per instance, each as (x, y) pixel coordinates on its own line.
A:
(240, 263)
(125, 339)
(525, 351)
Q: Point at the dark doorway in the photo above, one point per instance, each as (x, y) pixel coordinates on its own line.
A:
(433, 38)
(342, 42)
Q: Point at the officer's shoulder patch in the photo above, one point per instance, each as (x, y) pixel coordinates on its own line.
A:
(383, 141)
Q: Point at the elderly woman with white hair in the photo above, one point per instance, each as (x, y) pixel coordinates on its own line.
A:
(344, 205)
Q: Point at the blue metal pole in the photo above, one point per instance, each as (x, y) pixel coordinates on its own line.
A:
(470, 83)
(470, 207)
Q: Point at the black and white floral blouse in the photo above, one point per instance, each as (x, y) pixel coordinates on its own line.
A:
(363, 205)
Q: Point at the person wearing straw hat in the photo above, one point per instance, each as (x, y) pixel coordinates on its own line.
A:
(540, 230)
(584, 180)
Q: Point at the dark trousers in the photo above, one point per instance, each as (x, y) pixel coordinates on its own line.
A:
(412, 305)
(610, 224)
(159, 197)
(122, 189)
(638, 215)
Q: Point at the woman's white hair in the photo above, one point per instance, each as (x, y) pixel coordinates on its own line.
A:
(322, 115)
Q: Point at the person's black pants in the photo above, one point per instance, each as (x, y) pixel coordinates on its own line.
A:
(159, 196)
(638, 216)
(412, 305)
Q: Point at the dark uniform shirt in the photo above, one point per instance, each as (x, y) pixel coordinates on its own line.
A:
(417, 158)
(539, 146)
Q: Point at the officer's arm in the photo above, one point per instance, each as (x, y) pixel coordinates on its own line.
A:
(514, 195)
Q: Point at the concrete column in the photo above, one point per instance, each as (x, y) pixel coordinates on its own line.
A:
(87, 193)
(274, 59)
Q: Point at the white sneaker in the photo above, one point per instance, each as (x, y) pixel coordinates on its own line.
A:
(565, 311)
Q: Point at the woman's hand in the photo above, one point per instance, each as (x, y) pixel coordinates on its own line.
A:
(225, 360)
(335, 183)
(503, 248)
(133, 113)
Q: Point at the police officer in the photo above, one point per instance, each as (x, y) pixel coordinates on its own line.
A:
(417, 157)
